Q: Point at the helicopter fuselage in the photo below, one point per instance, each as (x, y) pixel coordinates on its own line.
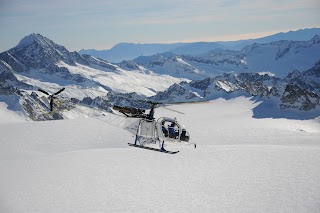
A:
(161, 130)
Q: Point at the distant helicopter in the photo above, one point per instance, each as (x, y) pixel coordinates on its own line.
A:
(51, 97)
(149, 131)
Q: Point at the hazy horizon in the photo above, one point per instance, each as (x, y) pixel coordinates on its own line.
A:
(102, 24)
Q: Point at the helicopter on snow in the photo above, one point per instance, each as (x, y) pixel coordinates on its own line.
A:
(150, 131)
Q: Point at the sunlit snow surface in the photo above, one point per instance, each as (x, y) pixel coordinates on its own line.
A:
(241, 164)
(119, 80)
(125, 81)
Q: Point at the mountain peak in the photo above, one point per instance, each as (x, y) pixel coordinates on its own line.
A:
(40, 40)
(28, 40)
(35, 47)
(316, 38)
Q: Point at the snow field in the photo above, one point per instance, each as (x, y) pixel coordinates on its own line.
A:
(241, 164)
(8, 116)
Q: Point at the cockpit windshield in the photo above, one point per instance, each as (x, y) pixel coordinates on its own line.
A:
(184, 136)
(170, 128)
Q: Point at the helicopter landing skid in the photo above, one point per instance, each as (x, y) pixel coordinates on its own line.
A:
(153, 149)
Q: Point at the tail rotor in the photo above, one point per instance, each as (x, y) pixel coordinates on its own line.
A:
(51, 96)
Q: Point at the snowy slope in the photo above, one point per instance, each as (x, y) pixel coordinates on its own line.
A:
(173, 66)
(279, 58)
(9, 116)
(39, 63)
(124, 81)
(282, 57)
(37, 59)
(295, 96)
(241, 164)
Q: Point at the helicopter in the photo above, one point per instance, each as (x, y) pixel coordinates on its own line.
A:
(149, 131)
(51, 97)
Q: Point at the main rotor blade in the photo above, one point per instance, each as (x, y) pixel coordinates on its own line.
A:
(150, 102)
(173, 110)
(137, 100)
(59, 91)
(40, 90)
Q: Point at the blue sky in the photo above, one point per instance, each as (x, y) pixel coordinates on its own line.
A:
(100, 24)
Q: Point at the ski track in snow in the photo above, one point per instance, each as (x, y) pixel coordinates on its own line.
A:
(241, 164)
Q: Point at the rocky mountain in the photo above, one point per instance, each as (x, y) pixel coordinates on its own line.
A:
(39, 63)
(8, 79)
(12, 92)
(171, 65)
(279, 58)
(298, 90)
(36, 55)
(130, 51)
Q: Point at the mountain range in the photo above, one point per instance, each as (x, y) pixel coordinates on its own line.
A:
(129, 51)
(279, 58)
(37, 62)
(267, 72)
(297, 91)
